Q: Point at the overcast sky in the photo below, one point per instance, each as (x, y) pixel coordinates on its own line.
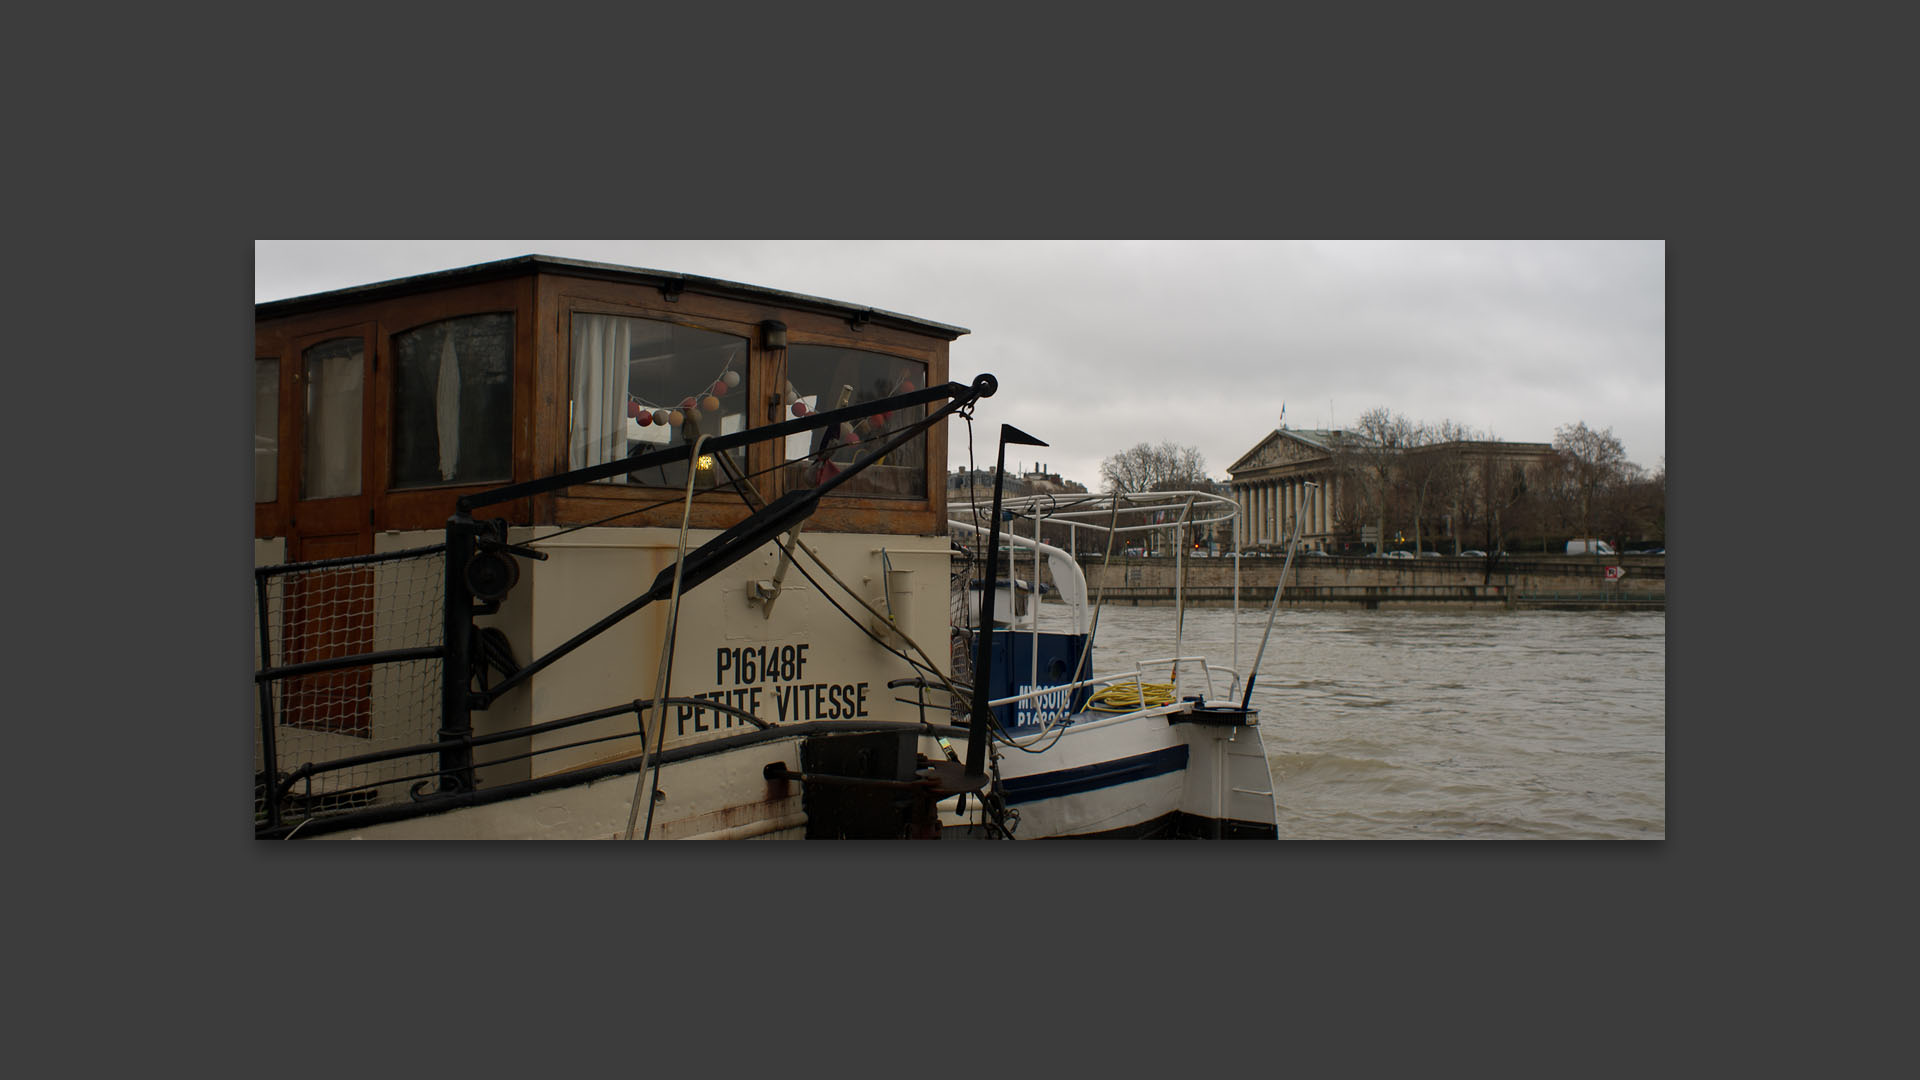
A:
(1099, 345)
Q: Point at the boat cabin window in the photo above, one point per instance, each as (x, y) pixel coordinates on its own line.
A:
(642, 384)
(331, 454)
(379, 407)
(825, 377)
(266, 428)
(453, 402)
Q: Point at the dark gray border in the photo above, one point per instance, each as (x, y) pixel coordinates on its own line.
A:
(1439, 951)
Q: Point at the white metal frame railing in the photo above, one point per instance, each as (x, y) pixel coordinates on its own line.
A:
(1207, 671)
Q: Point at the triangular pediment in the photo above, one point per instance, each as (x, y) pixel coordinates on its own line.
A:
(1283, 447)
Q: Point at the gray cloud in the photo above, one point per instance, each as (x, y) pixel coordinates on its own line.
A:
(1102, 344)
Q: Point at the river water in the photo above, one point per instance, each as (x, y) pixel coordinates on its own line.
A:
(1534, 725)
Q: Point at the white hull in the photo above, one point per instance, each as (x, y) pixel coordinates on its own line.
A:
(1134, 775)
(1138, 774)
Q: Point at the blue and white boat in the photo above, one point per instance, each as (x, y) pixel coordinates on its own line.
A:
(1161, 746)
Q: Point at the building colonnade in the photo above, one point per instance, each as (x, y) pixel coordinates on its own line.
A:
(1269, 507)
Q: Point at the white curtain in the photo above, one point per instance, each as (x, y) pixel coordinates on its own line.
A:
(333, 425)
(601, 344)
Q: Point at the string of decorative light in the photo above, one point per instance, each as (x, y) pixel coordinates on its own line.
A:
(646, 413)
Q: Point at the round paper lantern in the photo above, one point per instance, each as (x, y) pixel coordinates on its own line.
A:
(689, 404)
(799, 408)
(719, 387)
(661, 416)
(676, 418)
(646, 418)
(731, 378)
(710, 404)
(633, 408)
(906, 385)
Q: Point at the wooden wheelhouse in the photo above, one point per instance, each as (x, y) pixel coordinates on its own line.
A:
(353, 440)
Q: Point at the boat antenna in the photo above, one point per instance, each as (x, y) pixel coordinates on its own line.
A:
(1254, 671)
(982, 718)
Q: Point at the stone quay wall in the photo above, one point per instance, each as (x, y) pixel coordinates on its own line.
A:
(1373, 584)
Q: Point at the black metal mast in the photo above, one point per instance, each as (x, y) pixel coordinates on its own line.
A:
(982, 718)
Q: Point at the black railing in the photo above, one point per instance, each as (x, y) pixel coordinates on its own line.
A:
(466, 591)
(337, 608)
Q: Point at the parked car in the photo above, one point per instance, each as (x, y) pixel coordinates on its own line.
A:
(1318, 552)
(1399, 554)
(1431, 555)
(1590, 547)
(1473, 553)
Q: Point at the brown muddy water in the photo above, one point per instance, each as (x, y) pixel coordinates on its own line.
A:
(1539, 725)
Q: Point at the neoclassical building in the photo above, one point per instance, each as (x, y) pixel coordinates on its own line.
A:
(1272, 483)
(1294, 472)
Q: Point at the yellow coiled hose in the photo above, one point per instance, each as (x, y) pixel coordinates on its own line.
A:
(1126, 697)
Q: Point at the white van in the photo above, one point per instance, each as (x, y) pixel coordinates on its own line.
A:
(1590, 547)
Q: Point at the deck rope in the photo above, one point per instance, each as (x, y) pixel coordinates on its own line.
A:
(1126, 697)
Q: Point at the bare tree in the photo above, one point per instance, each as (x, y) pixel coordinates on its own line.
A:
(1455, 479)
(1424, 468)
(1502, 484)
(1633, 508)
(1552, 504)
(1658, 490)
(1371, 455)
(1166, 467)
(1594, 460)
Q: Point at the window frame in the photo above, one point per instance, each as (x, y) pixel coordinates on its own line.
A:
(583, 504)
(270, 519)
(429, 507)
(389, 509)
(278, 377)
(390, 341)
(925, 377)
(751, 387)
